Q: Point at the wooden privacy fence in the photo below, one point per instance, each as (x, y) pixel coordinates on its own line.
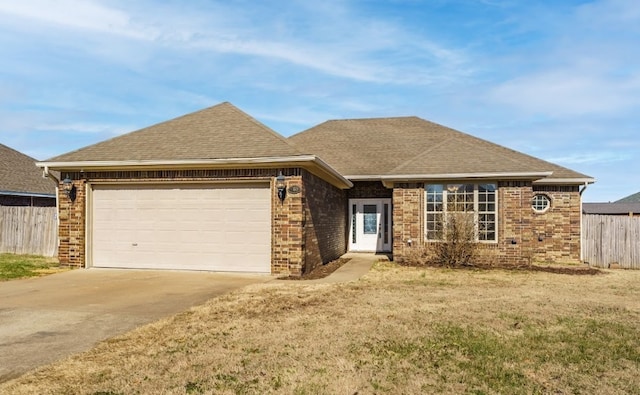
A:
(608, 239)
(28, 230)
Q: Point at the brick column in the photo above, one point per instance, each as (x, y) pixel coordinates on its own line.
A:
(515, 221)
(287, 238)
(71, 231)
(408, 217)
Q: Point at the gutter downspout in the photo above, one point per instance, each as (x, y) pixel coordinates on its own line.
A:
(584, 188)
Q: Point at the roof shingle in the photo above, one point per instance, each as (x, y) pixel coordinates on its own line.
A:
(611, 208)
(635, 198)
(19, 174)
(411, 145)
(219, 132)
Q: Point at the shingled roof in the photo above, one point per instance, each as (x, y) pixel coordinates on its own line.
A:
(635, 198)
(219, 132)
(414, 146)
(611, 208)
(20, 176)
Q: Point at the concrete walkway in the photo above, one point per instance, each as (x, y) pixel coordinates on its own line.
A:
(360, 263)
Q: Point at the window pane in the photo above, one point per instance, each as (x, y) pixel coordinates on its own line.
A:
(370, 218)
(434, 189)
(461, 198)
(540, 203)
(487, 187)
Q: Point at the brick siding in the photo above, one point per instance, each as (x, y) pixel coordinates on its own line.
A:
(523, 235)
(325, 224)
(287, 229)
(369, 189)
(308, 228)
(556, 232)
(71, 230)
(408, 217)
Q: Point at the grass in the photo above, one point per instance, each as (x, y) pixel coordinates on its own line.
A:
(14, 266)
(397, 330)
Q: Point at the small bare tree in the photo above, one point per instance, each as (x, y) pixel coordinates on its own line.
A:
(458, 246)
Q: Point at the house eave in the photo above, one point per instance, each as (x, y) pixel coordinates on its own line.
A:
(309, 162)
(452, 176)
(28, 194)
(565, 181)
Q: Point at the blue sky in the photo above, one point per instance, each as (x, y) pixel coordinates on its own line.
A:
(557, 79)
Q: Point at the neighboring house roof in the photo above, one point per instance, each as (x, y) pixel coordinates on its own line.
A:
(20, 176)
(635, 198)
(219, 132)
(414, 146)
(611, 208)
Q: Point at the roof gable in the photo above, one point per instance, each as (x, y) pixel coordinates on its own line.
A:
(219, 132)
(19, 174)
(411, 145)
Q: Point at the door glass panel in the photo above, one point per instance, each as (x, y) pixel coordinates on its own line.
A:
(353, 223)
(370, 219)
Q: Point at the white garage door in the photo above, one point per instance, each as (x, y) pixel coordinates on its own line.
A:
(222, 227)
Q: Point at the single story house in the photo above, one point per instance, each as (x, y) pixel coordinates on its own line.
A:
(217, 190)
(629, 205)
(21, 182)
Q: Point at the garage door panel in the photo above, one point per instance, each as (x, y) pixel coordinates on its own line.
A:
(224, 227)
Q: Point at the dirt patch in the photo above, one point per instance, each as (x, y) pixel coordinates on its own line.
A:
(321, 271)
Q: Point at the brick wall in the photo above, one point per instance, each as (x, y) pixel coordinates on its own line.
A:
(408, 217)
(287, 229)
(523, 236)
(325, 223)
(287, 255)
(514, 222)
(71, 230)
(556, 232)
(369, 189)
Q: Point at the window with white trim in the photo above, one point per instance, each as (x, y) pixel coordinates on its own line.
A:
(479, 200)
(540, 203)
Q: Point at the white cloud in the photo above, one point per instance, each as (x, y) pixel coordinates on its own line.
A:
(79, 15)
(333, 40)
(77, 127)
(570, 92)
(591, 157)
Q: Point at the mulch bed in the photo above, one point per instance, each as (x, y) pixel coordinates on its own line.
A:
(558, 269)
(321, 271)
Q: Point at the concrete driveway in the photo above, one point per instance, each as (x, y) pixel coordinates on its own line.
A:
(48, 318)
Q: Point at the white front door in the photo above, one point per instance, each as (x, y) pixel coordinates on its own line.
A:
(370, 225)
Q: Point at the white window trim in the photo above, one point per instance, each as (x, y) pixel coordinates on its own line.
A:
(476, 213)
(536, 211)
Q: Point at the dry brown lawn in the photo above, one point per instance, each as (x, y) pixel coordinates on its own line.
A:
(397, 330)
